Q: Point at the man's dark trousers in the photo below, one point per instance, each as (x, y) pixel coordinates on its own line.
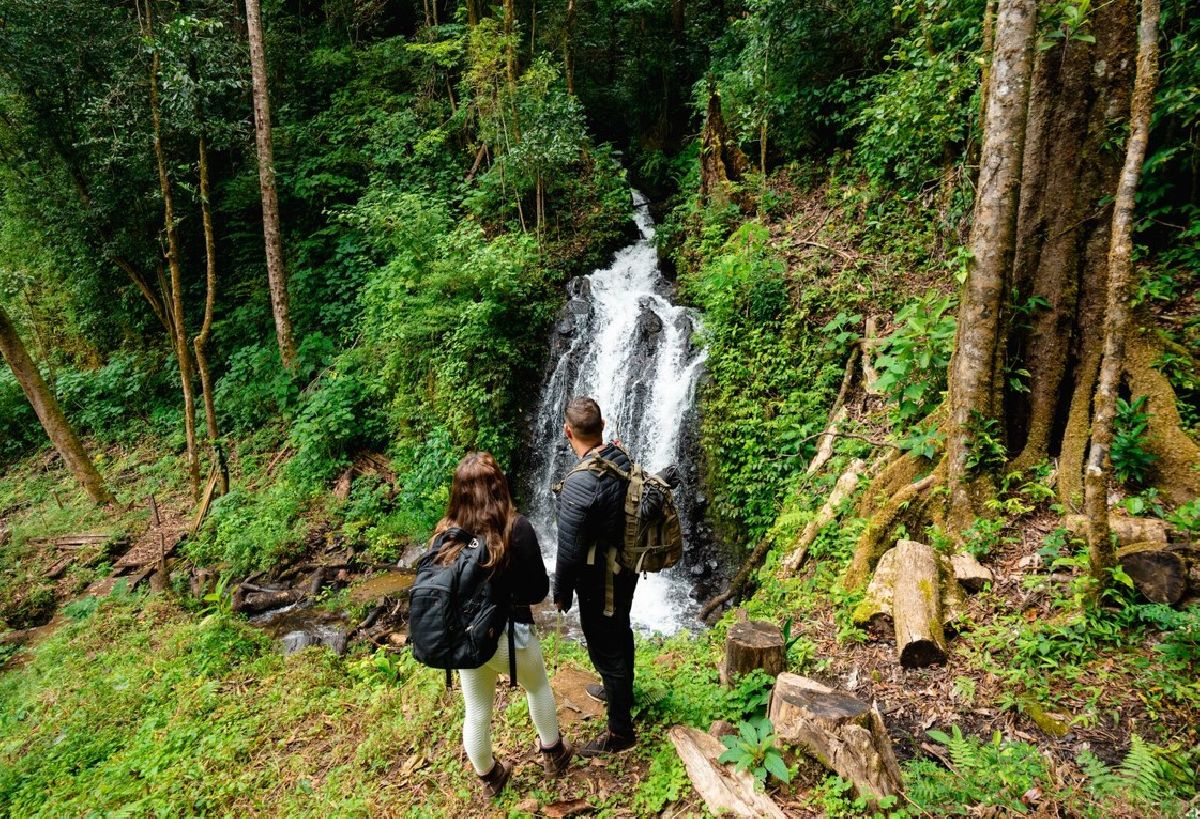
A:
(610, 645)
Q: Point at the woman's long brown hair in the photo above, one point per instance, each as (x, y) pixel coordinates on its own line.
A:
(481, 504)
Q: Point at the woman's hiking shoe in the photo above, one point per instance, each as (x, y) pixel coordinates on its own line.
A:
(606, 743)
(495, 779)
(556, 759)
(596, 691)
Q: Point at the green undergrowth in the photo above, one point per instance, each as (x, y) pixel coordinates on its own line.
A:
(140, 705)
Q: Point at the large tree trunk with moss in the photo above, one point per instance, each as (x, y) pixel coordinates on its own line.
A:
(49, 413)
(1116, 315)
(1060, 271)
(976, 373)
(276, 275)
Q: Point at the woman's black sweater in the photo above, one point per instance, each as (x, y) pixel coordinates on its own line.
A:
(522, 579)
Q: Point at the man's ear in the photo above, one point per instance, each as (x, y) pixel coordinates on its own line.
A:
(567, 430)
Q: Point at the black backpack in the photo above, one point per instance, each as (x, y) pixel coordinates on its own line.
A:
(453, 622)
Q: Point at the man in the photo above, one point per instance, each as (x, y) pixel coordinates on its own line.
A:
(591, 526)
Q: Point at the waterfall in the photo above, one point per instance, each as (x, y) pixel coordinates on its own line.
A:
(622, 341)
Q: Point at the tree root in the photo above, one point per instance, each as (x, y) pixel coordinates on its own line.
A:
(875, 540)
(1177, 455)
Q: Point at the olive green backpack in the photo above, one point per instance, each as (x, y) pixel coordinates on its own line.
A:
(653, 538)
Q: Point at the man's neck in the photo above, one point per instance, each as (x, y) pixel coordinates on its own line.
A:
(582, 449)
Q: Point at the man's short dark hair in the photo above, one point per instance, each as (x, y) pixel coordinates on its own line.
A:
(583, 416)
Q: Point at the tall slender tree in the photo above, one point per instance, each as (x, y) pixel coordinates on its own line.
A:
(62, 435)
(1116, 318)
(173, 287)
(276, 274)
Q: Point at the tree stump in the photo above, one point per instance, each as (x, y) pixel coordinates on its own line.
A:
(970, 572)
(720, 786)
(917, 606)
(750, 645)
(840, 731)
(1160, 574)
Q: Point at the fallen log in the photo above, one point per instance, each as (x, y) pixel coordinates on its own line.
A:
(838, 730)
(1159, 573)
(750, 645)
(843, 489)
(917, 606)
(267, 600)
(722, 787)
(1127, 530)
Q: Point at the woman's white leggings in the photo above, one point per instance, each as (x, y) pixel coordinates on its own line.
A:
(479, 692)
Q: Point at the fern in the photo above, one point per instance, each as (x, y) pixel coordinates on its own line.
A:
(1149, 774)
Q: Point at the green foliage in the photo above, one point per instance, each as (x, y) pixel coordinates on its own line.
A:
(770, 379)
(753, 750)
(1130, 459)
(913, 360)
(995, 773)
(1187, 516)
(924, 108)
(1161, 778)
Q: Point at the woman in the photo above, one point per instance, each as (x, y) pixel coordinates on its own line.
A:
(480, 503)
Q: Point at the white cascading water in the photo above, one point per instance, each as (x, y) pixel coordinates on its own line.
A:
(631, 350)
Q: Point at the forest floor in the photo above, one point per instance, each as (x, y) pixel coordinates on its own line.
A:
(162, 701)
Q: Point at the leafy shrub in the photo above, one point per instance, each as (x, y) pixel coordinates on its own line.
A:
(19, 429)
(753, 750)
(1130, 459)
(914, 358)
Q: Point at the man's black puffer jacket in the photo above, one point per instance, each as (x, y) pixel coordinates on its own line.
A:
(591, 510)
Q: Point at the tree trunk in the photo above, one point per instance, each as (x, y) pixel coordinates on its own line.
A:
(200, 342)
(752, 645)
(276, 276)
(1101, 551)
(175, 288)
(1060, 266)
(842, 732)
(568, 55)
(917, 606)
(974, 379)
(65, 441)
(510, 52)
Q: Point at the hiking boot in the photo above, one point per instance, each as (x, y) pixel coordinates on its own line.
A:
(606, 743)
(596, 691)
(556, 758)
(495, 779)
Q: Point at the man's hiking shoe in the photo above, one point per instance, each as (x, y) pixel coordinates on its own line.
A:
(556, 759)
(596, 691)
(606, 743)
(495, 779)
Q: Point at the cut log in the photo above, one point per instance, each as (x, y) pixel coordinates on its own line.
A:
(1159, 574)
(1128, 530)
(917, 606)
(750, 645)
(874, 612)
(970, 572)
(723, 788)
(844, 488)
(838, 730)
